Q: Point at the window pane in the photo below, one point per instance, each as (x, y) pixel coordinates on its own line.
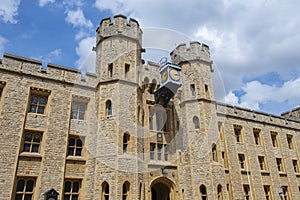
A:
(67, 186)
(35, 148)
(82, 107)
(74, 197)
(29, 186)
(43, 101)
(19, 197)
(28, 197)
(78, 151)
(41, 110)
(81, 116)
(20, 185)
(32, 108)
(26, 148)
(28, 137)
(79, 143)
(74, 106)
(75, 187)
(70, 151)
(34, 99)
(71, 142)
(67, 197)
(37, 138)
(74, 114)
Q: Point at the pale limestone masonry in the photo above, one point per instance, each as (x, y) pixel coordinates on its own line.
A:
(199, 155)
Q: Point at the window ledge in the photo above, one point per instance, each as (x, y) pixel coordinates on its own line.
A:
(76, 158)
(264, 172)
(30, 155)
(244, 171)
(36, 114)
(282, 174)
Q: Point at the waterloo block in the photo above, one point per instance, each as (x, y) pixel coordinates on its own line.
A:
(102, 136)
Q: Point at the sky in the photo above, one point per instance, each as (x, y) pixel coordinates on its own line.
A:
(254, 44)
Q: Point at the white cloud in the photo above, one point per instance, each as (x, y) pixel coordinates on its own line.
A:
(77, 19)
(49, 57)
(3, 41)
(8, 10)
(87, 57)
(257, 94)
(42, 3)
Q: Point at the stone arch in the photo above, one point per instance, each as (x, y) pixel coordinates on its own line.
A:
(162, 188)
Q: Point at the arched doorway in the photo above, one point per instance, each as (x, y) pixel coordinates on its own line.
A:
(162, 189)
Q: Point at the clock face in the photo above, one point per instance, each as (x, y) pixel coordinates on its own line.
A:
(164, 76)
(174, 74)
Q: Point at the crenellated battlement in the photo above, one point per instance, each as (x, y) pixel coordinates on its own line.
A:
(195, 51)
(32, 67)
(119, 26)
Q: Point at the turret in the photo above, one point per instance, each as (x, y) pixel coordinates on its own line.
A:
(196, 70)
(118, 48)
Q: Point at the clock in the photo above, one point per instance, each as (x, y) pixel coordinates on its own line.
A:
(174, 74)
(164, 76)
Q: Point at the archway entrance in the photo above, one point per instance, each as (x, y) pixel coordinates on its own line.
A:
(160, 191)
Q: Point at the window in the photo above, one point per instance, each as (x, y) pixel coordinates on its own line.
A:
(220, 128)
(242, 161)
(285, 193)
(151, 122)
(246, 192)
(126, 138)
(256, 133)
(71, 190)
(262, 164)
(206, 91)
(192, 88)
(25, 189)
(38, 104)
(108, 108)
(238, 133)
(224, 160)
(110, 71)
(105, 191)
(220, 192)
(152, 149)
(78, 110)
(203, 192)
(295, 166)
(75, 146)
(125, 191)
(159, 149)
(126, 70)
(289, 139)
(196, 122)
(279, 165)
(267, 192)
(166, 152)
(214, 152)
(274, 139)
(32, 141)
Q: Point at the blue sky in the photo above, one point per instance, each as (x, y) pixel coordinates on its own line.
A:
(254, 44)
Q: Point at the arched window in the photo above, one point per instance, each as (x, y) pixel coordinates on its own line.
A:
(105, 191)
(108, 108)
(220, 192)
(125, 191)
(203, 193)
(126, 138)
(214, 152)
(145, 83)
(196, 122)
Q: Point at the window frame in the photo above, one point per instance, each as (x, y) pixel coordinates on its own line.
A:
(238, 133)
(78, 111)
(32, 142)
(75, 147)
(242, 161)
(71, 193)
(262, 163)
(280, 165)
(203, 192)
(290, 141)
(274, 139)
(24, 191)
(257, 136)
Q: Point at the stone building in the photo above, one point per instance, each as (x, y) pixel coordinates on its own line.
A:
(101, 136)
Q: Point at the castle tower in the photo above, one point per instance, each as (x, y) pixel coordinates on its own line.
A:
(198, 120)
(118, 55)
